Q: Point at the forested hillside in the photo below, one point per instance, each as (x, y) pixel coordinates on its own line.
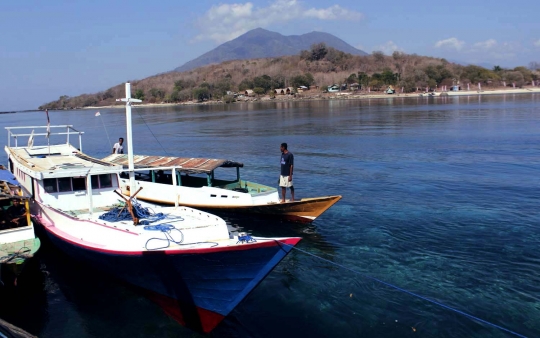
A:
(320, 66)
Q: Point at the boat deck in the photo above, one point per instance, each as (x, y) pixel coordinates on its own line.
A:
(61, 160)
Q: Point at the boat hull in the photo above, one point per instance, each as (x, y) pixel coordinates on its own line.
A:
(305, 210)
(14, 259)
(196, 289)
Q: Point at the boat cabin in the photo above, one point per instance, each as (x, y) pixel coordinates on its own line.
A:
(188, 172)
(60, 174)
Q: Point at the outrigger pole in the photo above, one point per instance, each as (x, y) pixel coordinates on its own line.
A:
(131, 167)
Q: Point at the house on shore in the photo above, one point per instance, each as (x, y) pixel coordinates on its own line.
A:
(279, 91)
(333, 88)
(249, 92)
(390, 90)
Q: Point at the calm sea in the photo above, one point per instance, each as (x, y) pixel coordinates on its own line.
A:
(440, 198)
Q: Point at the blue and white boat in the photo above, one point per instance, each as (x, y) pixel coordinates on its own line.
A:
(187, 260)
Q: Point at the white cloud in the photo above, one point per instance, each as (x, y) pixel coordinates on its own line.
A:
(537, 43)
(388, 48)
(452, 43)
(227, 21)
(488, 44)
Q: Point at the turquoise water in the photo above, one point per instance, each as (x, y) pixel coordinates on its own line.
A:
(440, 197)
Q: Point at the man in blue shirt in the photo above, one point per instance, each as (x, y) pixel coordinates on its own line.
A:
(285, 179)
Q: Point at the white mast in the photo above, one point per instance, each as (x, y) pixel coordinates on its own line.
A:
(128, 100)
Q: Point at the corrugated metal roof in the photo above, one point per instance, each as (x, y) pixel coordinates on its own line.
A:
(183, 164)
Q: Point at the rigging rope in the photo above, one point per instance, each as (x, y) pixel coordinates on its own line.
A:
(406, 291)
(147, 126)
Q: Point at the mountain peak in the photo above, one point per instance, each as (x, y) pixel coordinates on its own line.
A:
(262, 43)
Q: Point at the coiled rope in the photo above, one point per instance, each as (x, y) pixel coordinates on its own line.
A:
(406, 291)
(118, 214)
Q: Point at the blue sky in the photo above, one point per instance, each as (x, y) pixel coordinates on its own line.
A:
(57, 47)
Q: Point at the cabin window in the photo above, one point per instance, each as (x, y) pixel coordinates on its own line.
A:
(101, 181)
(95, 182)
(50, 185)
(64, 184)
(105, 181)
(79, 183)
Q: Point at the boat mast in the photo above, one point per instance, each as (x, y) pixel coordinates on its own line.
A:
(131, 167)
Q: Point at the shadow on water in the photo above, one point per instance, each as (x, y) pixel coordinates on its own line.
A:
(25, 305)
(95, 303)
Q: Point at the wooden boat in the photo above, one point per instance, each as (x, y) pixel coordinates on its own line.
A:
(192, 182)
(18, 242)
(185, 259)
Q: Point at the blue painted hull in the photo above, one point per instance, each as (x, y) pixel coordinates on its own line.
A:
(198, 289)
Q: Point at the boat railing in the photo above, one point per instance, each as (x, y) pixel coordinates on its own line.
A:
(13, 132)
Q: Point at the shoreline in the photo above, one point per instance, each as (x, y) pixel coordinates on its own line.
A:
(333, 96)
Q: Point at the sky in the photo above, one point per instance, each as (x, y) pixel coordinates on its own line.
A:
(60, 47)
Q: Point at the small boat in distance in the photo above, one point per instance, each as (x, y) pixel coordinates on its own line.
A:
(193, 183)
(185, 259)
(18, 242)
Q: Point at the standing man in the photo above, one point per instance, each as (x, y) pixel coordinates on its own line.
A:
(285, 179)
(118, 148)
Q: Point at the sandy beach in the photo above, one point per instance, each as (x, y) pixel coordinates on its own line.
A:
(339, 96)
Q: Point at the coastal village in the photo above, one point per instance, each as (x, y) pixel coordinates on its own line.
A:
(319, 73)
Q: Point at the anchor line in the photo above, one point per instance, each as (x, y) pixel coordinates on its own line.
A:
(407, 291)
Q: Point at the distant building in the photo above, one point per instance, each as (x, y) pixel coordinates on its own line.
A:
(390, 90)
(333, 88)
(289, 90)
(279, 91)
(354, 86)
(249, 92)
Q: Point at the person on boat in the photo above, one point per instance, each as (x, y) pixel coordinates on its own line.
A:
(16, 214)
(285, 179)
(118, 148)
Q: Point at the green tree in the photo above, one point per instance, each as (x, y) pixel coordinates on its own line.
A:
(157, 93)
(139, 94)
(363, 79)
(259, 91)
(388, 77)
(263, 81)
(299, 80)
(201, 94)
(245, 84)
(352, 78)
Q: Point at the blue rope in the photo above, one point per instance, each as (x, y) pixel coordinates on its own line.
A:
(408, 292)
(167, 229)
(246, 239)
(117, 214)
